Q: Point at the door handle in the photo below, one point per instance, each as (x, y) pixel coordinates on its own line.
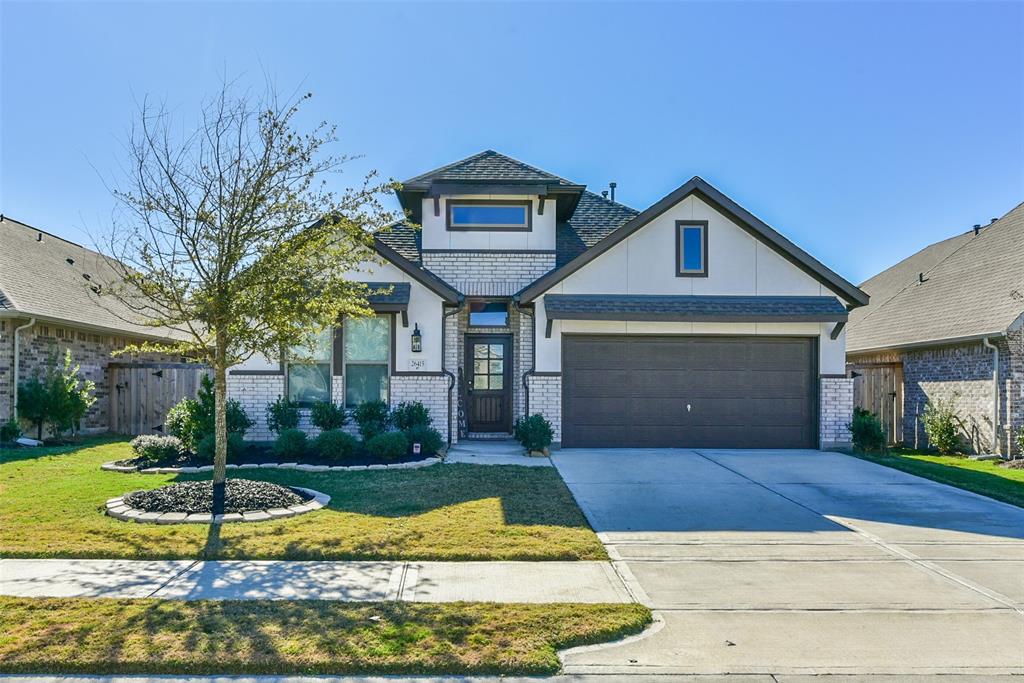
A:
(687, 407)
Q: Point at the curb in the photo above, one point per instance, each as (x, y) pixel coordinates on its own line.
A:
(118, 509)
(412, 465)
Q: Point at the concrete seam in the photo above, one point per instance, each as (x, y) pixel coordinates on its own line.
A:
(174, 578)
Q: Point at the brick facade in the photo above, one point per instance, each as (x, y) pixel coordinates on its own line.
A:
(835, 412)
(492, 273)
(546, 399)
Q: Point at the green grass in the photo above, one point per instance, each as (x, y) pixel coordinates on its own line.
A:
(980, 476)
(101, 636)
(52, 505)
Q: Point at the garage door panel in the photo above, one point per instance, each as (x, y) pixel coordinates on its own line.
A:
(599, 354)
(597, 411)
(601, 381)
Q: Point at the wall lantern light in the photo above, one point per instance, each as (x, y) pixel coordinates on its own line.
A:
(417, 340)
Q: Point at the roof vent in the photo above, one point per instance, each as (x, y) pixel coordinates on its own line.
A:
(604, 193)
(921, 279)
(39, 237)
(977, 228)
(70, 261)
(990, 222)
(87, 276)
(613, 185)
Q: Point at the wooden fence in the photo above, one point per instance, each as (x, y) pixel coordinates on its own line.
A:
(142, 393)
(878, 387)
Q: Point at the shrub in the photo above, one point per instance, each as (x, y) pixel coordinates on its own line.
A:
(335, 444)
(193, 419)
(205, 449)
(327, 416)
(373, 418)
(183, 421)
(60, 397)
(9, 431)
(1020, 441)
(291, 444)
(282, 415)
(534, 432)
(388, 446)
(940, 425)
(866, 430)
(151, 449)
(429, 439)
(409, 415)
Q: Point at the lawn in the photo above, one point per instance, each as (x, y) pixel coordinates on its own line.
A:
(980, 476)
(98, 636)
(51, 505)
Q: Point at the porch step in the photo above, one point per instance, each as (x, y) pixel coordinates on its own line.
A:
(487, 447)
(492, 452)
(488, 436)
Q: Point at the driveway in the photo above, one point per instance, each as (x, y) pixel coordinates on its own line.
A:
(801, 562)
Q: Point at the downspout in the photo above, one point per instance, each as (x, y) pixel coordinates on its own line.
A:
(533, 359)
(17, 363)
(995, 393)
(451, 376)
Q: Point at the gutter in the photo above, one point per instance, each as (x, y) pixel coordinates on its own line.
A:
(17, 363)
(446, 371)
(533, 361)
(995, 393)
(949, 341)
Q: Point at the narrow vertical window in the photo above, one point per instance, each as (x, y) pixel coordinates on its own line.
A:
(309, 371)
(367, 347)
(691, 248)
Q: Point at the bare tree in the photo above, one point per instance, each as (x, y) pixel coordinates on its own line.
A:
(230, 234)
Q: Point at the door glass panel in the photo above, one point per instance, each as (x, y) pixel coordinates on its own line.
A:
(497, 367)
(480, 382)
(497, 350)
(479, 367)
(480, 350)
(497, 381)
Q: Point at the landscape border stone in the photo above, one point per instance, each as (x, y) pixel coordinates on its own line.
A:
(118, 509)
(113, 466)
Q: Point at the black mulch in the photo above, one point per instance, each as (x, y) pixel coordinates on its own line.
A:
(260, 452)
(242, 495)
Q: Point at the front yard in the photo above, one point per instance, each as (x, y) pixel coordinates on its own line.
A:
(980, 476)
(51, 505)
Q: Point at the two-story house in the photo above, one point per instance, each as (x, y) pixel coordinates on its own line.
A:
(691, 323)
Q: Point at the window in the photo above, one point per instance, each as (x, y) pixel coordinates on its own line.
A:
(691, 248)
(488, 367)
(309, 376)
(367, 347)
(468, 214)
(488, 314)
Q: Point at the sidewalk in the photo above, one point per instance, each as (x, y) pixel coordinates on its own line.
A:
(533, 582)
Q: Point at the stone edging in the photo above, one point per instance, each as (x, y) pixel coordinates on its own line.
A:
(415, 464)
(118, 509)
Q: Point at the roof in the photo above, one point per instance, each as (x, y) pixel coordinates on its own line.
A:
(45, 276)
(595, 218)
(742, 217)
(404, 240)
(973, 287)
(487, 166)
(388, 294)
(694, 308)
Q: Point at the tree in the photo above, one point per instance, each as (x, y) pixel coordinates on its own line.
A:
(230, 235)
(60, 397)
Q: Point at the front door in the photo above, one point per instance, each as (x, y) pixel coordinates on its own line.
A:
(488, 385)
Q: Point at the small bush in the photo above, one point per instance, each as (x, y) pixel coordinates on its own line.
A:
(373, 418)
(940, 425)
(9, 431)
(407, 415)
(429, 439)
(206, 448)
(335, 444)
(184, 422)
(193, 419)
(282, 415)
(327, 416)
(151, 449)
(388, 446)
(534, 432)
(1020, 441)
(291, 444)
(60, 397)
(867, 433)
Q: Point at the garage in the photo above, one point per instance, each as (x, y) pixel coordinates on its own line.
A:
(688, 392)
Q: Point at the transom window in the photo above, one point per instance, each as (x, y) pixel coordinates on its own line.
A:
(488, 314)
(309, 371)
(367, 344)
(691, 248)
(471, 214)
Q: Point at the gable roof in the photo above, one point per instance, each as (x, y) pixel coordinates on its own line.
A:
(44, 276)
(399, 244)
(742, 217)
(973, 287)
(487, 165)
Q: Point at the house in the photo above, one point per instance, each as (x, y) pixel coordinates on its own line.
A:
(691, 323)
(945, 323)
(48, 304)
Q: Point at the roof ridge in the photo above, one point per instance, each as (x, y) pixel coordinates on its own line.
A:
(4, 217)
(448, 166)
(610, 201)
(487, 153)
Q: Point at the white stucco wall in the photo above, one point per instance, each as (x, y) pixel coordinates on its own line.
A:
(644, 263)
(435, 233)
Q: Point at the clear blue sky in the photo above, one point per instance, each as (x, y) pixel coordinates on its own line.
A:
(862, 131)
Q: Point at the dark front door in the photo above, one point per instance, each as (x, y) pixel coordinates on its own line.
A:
(488, 389)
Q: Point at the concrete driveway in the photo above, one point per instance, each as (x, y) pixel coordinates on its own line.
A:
(801, 562)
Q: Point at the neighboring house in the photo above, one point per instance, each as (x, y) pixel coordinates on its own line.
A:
(691, 323)
(946, 323)
(47, 307)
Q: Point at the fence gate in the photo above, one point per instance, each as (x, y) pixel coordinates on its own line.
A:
(878, 387)
(142, 393)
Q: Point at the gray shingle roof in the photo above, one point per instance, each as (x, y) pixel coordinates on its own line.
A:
(694, 308)
(974, 285)
(404, 240)
(45, 278)
(487, 165)
(594, 219)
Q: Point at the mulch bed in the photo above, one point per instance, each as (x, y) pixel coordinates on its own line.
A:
(262, 453)
(241, 495)
(1017, 464)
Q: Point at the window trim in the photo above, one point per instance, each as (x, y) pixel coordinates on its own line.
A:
(508, 314)
(680, 226)
(481, 227)
(390, 317)
(286, 367)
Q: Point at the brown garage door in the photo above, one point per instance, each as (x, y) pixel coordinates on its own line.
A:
(663, 392)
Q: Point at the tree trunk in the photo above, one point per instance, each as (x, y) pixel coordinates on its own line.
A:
(220, 396)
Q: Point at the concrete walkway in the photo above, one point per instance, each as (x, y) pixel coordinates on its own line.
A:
(492, 452)
(567, 678)
(534, 582)
(800, 563)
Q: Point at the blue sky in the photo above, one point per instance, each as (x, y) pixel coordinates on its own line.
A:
(862, 131)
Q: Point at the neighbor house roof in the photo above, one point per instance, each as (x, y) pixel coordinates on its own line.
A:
(965, 287)
(55, 280)
(701, 308)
